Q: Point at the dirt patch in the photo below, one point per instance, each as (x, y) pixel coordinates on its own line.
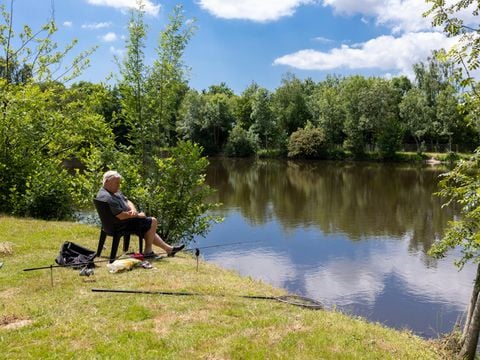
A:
(9, 322)
(6, 248)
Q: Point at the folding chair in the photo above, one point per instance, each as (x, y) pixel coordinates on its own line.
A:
(110, 228)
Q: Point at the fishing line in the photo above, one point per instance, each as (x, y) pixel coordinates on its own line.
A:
(196, 249)
(288, 299)
(82, 264)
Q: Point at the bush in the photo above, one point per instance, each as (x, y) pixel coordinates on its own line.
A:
(241, 143)
(47, 195)
(176, 194)
(309, 143)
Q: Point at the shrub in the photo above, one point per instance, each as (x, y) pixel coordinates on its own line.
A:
(241, 143)
(309, 143)
(176, 194)
(47, 195)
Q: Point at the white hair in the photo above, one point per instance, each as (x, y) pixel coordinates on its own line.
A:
(109, 175)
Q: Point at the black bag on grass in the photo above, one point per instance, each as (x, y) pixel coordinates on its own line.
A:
(75, 256)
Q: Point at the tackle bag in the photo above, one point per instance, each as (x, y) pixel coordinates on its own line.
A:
(75, 256)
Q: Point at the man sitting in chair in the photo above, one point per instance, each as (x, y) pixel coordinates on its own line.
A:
(128, 216)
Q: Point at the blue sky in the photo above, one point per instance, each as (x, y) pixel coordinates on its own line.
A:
(240, 41)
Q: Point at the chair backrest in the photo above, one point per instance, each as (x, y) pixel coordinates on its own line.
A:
(106, 217)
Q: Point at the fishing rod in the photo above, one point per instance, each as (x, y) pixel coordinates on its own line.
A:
(82, 264)
(220, 245)
(155, 256)
(289, 299)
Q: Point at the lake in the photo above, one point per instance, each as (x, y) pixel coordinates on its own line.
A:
(354, 236)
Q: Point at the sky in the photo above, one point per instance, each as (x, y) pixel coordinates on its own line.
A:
(243, 41)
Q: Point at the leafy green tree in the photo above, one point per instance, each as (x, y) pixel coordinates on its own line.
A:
(308, 143)
(241, 143)
(176, 193)
(35, 55)
(462, 183)
(243, 106)
(327, 111)
(191, 117)
(356, 125)
(168, 81)
(415, 112)
(43, 125)
(218, 120)
(133, 90)
(448, 114)
(289, 104)
(263, 121)
(381, 108)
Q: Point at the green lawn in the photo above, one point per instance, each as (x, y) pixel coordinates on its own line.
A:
(68, 320)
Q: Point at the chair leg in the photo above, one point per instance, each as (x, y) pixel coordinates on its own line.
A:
(126, 242)
(101, 242)
(113, 253)
(140, 244)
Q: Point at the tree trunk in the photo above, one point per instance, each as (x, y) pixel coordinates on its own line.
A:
(471, 329)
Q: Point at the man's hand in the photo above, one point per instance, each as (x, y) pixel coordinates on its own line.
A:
(135, 214)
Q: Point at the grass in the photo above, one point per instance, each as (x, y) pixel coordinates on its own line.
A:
(68, 320)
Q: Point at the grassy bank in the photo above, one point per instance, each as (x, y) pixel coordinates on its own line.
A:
(68, 320)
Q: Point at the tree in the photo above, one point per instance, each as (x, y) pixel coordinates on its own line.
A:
(35, 57)
(176, 192)
(262, 118)
(289, 104)
(326, 108)
(44, 125)
(462, 183)
(132, 87)
(168, 82)
(415, 112)
(308, 143)
(243, 106)
(218, 120)
(356, 124)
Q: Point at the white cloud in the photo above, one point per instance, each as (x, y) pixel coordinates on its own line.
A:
(67, 23)
(323, 40)
(149, 7)
(385, 53)
(254, 10)
(109, 37)
(117, 52)
(96, 26)
(398, 15)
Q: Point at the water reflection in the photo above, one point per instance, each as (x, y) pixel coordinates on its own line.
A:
(353, 236)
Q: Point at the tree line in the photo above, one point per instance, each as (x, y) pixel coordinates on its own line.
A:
(333, 118)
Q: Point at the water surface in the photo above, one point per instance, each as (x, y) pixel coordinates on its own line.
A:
(354, 236)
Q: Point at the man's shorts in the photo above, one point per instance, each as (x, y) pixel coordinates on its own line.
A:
(136, 225)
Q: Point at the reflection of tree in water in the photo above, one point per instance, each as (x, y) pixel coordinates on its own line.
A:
(359, 199)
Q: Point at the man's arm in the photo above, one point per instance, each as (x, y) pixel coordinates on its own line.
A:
(131, 213)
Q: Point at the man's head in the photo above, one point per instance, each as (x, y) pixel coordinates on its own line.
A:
(111, 180)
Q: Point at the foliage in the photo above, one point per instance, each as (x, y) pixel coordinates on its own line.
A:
(289, 104)
(35, 57)
(40, 128)
(241, 143)
(462, 183)
(309, 143)
(176, 193)
(132, 87)
(46, 195)
(167, 83)
(262, 118)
